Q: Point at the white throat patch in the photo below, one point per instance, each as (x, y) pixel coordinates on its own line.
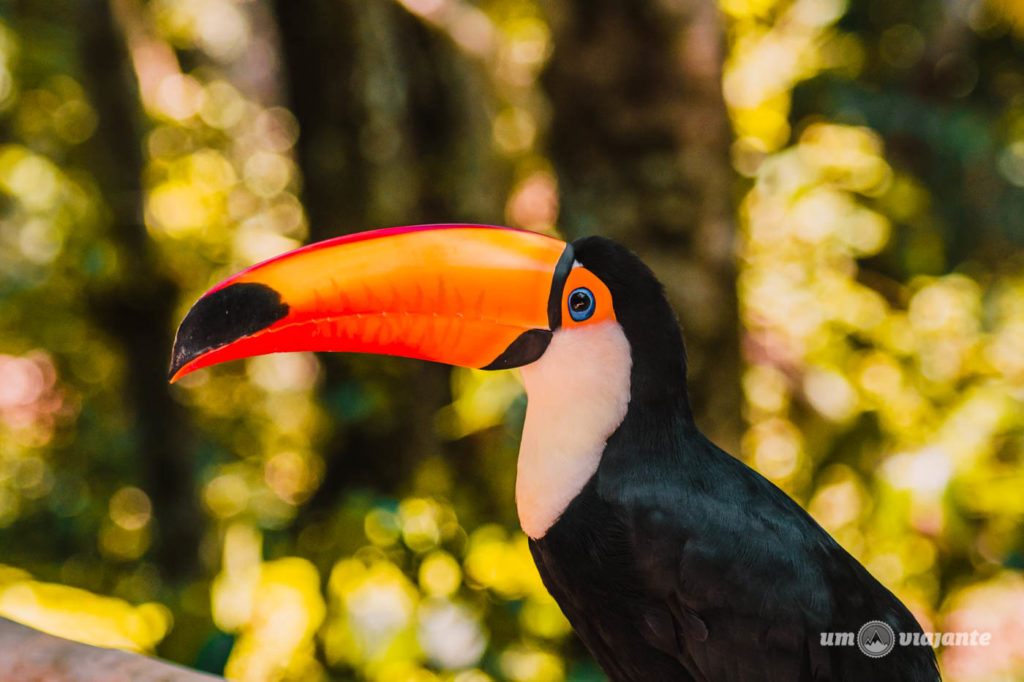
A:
(577, 395)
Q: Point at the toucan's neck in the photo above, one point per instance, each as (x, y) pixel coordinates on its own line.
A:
(578, 393)
(592, 382)
(658, 379)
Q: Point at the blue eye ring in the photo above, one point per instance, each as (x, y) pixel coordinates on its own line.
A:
(581, 304)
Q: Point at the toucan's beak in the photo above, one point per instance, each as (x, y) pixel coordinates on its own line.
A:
(467, 295)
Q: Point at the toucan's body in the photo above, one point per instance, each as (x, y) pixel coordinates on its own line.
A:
(672, 560)
(709, 572)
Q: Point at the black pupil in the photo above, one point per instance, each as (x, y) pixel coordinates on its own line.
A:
(579, 301)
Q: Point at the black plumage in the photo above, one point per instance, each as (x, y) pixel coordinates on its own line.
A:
(678, 562)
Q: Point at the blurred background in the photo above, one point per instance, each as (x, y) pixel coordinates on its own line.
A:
(832, 192)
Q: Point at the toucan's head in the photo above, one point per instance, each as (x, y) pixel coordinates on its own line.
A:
(467, 295)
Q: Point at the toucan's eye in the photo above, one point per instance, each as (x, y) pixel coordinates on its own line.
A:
(581, 304)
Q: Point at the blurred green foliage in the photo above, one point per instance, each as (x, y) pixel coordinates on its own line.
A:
(302, 517)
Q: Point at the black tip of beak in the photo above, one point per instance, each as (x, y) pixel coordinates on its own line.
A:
(224, 316)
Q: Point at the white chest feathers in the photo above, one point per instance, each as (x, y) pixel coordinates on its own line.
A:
(577, 395)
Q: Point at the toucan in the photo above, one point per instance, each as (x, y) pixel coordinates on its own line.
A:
(671, 559)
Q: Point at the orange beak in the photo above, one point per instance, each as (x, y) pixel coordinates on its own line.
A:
(467, 295)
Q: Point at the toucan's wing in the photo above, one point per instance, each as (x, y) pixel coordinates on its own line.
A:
(732, 593)
(741, 583)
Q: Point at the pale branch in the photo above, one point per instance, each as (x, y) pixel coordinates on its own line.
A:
(28, 655)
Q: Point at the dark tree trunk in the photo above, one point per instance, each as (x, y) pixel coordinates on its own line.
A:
(640, 140)
(386, 112)
(136, 308)
(319, 42)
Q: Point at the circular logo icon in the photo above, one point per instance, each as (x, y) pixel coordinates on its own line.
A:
(875, 639)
